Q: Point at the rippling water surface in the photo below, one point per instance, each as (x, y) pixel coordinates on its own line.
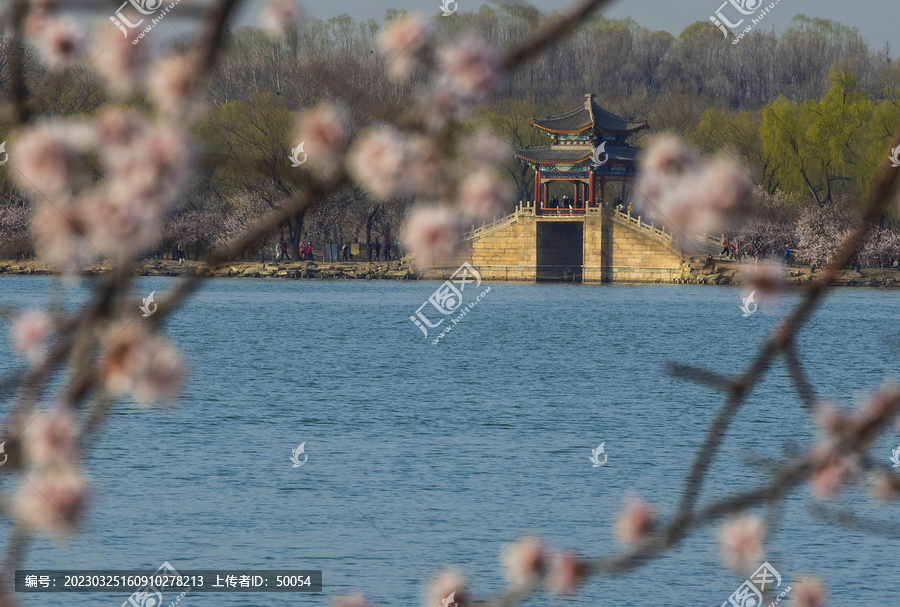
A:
(424, 456)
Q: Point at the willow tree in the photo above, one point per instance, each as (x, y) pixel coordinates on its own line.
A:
(820, 142)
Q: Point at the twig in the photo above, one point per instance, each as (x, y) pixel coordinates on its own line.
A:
(551, 33)
(18, 92)
(798, 376)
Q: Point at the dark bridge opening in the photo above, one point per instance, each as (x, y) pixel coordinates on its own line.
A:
(560, 250)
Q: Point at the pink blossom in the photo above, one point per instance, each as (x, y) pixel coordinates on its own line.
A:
(830, 419)
(151, 170)
(352, 600)
(809, 592)
(635, 521)
(163, 375)
(830, 469)
(172, 83)
(431, 232)
(764, 279)
(378, 161)
(425, 167)
(117, 129)
(470, 68)
(121, 227)
(324, 130)
(59, 42)
(48, 156)
(121, 63)
(741, 542)
(52, 501)
(141, 364)
(60, 234)
(279, 15)
(446, 588)
(484, 148)
(669, 155)
(400, 41)
(690, 195)
(441, 107)
(724, 187)
(484, 195)
(29, 333)
(524, 561)
(37, 21)
(567, 572)
(49, 438)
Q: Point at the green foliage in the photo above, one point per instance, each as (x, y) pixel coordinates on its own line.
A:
(820, 146)
(738, 134)
(248, 146)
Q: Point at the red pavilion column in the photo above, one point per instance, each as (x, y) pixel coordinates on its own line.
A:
(537, 188)
(591, 188)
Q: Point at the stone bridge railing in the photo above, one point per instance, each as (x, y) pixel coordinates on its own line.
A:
(634, 222)
(527, 209)
(523, 208)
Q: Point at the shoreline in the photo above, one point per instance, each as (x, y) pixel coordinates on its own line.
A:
(726, 272)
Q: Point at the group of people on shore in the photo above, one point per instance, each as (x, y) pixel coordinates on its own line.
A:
(734, 250)
(376, 249)
(305, 251)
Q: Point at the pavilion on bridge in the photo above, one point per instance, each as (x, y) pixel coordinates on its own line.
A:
(573, 156)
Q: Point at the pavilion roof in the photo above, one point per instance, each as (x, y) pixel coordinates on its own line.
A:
(550, 155)
(587, 116)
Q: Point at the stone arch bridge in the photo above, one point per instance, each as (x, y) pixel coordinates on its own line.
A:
(599, 244)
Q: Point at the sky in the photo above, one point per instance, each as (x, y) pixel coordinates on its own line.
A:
(877, 20)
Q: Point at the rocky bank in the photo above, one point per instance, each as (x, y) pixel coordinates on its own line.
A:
(693, 273)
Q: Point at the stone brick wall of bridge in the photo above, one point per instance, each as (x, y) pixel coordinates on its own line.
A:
(616, 249)
(508, 253)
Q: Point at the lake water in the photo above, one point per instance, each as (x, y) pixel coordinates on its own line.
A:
(423, 456)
